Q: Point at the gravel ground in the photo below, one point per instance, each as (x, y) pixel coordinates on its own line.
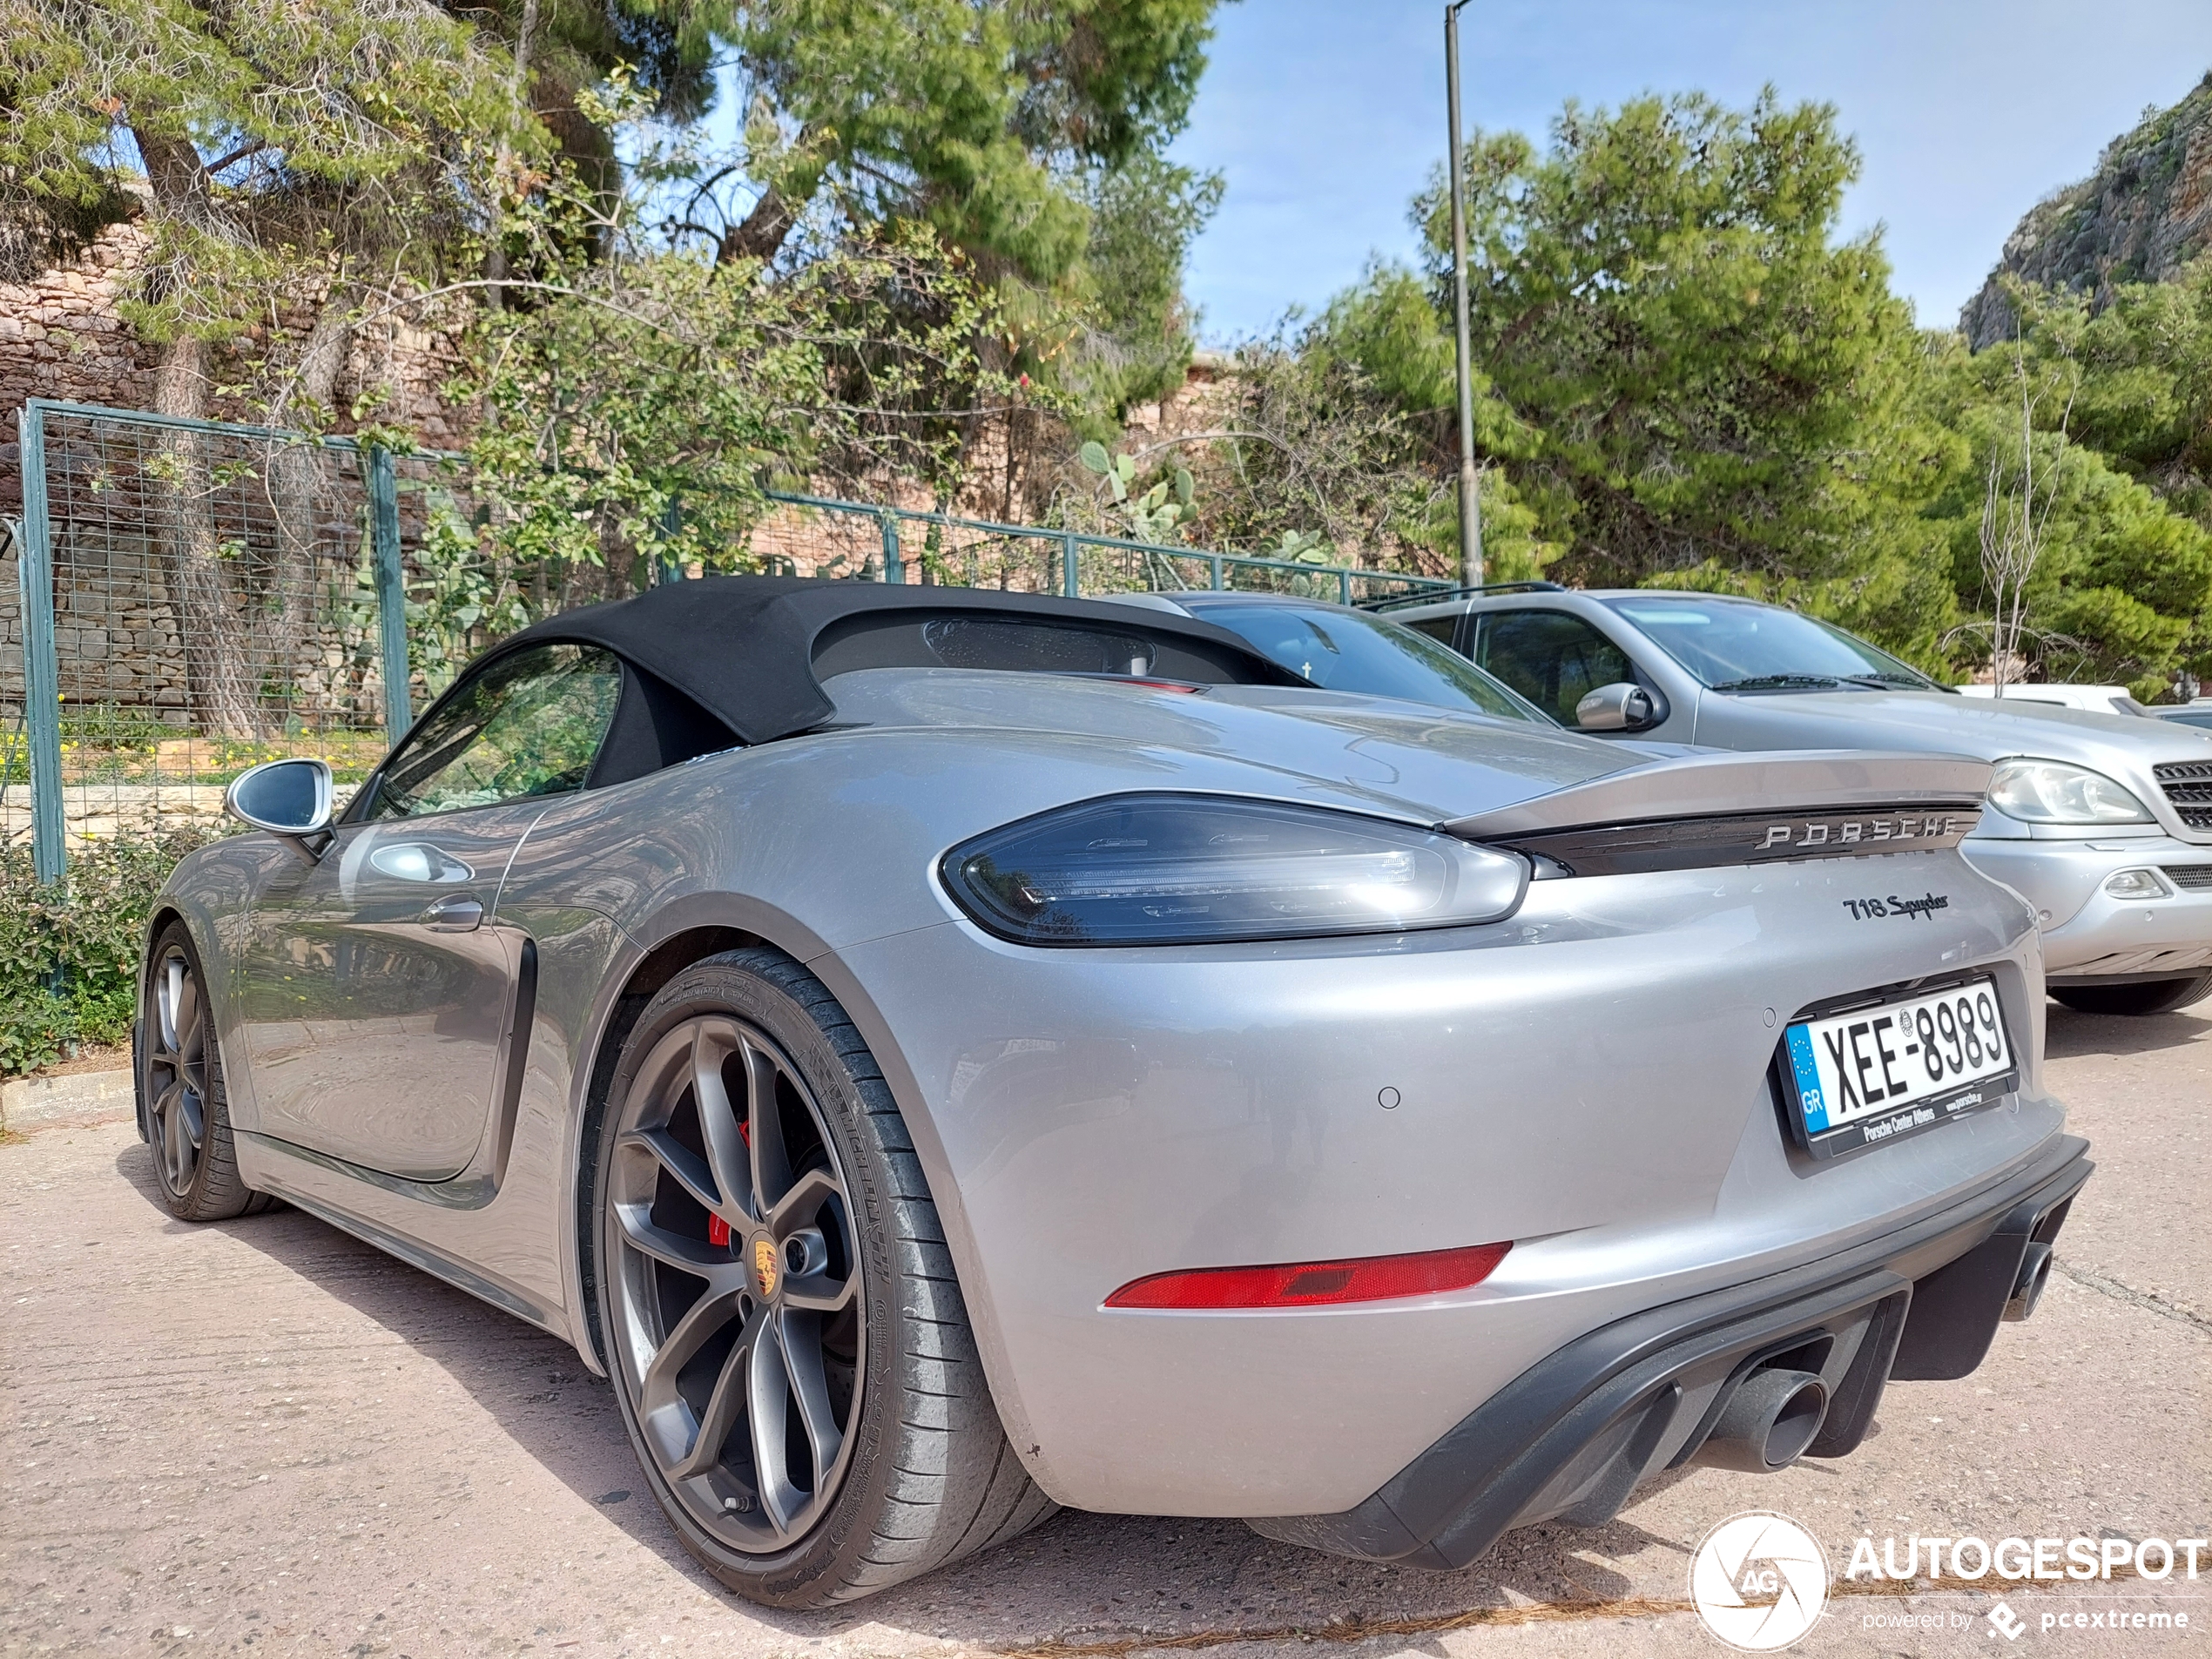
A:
(262, 1436)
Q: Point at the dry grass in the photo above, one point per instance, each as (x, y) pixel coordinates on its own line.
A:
(1349, 1629)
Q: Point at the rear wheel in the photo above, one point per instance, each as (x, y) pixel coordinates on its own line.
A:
(181, 1099)
(2152, 996)
(788, 1340)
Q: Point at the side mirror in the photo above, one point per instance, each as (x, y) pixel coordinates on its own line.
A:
(290, 799)
(1617, 707)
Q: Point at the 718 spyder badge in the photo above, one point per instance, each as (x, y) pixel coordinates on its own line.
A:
(1869, 909)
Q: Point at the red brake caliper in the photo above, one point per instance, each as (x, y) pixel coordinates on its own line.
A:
(718, 1231)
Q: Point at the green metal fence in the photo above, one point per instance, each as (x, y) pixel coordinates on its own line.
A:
(974, 552)
(191, 597)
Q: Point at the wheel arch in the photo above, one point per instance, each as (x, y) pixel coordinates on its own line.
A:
(689, 930)
(165, 910)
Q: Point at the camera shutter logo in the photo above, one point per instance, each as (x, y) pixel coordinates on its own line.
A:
(1759, 1580)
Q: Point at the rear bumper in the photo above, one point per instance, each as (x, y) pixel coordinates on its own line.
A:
(1575, 1433)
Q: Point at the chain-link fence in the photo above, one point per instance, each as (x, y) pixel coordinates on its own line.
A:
(189, 597)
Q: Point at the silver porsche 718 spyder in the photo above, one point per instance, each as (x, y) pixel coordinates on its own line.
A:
(944, 1055)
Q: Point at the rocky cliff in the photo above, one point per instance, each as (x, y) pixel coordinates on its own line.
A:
(2145, 213)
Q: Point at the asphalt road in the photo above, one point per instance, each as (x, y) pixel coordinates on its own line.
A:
(263, 1437)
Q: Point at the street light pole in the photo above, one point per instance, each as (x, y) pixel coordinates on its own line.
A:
(1470, 484)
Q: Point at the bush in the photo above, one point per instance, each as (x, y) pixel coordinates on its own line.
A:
(69, 953)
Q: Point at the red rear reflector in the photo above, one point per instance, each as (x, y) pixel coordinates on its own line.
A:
(717, 1232)
(1369, 1278)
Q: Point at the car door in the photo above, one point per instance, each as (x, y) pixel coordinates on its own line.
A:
(1554, 658)
(378, 982)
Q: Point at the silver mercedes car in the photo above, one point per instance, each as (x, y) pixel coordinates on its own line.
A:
(944, 1055)
(2102, 820)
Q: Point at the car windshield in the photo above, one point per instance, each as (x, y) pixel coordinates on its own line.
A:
(1734, 645)
(1344, 650)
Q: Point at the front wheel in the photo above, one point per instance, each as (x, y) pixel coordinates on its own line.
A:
(788, 1340)
(182, 1102)
(2152, 996)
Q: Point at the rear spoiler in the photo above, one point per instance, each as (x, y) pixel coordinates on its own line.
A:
(1701, 811)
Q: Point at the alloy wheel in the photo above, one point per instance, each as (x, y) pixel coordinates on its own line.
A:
(737, 1285)
(177, 1072)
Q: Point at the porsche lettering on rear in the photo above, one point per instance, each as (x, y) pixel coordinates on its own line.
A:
(1802, 834)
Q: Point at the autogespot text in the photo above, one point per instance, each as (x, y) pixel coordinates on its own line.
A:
(2020, 1559)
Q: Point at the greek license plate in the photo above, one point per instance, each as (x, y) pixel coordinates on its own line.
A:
(1891, 1069)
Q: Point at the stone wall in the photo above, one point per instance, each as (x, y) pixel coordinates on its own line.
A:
(60, 336)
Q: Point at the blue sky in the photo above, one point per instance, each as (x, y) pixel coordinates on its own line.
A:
(1326, 118)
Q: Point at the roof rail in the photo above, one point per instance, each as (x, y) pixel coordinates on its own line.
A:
(1429, 596)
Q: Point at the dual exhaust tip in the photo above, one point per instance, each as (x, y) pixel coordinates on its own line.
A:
(1776, 1414)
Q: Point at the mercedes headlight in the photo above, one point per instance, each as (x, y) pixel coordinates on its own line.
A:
(1204, 869)
(2051, 792)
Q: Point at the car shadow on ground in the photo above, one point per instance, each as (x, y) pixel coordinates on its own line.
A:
(1084, 1583)
(2069, 1034)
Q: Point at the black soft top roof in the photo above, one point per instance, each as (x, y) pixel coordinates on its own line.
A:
(753, 651)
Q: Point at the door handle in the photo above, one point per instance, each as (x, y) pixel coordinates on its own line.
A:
(457, 914)
(418, 861)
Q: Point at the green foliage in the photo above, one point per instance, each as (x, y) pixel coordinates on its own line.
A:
(68, 954)
(1028, 137)
(976, 118)
(1395, 330)
(1680, 366)
(1684, 378)
(2146, 395)
(1143, 217)
(639, 416)
(346, 138)
(637, 400)
(2124, 576)
(1155, 515)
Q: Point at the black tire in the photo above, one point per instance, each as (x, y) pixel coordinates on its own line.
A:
(922, 1474)
(183, 1109)
(2151, 996)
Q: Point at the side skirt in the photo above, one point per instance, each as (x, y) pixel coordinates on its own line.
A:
(304, 1178)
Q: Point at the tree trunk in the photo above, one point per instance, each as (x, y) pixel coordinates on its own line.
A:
(219, 678)
(761, 234)
(517, 82)
(217, 673)
(298, 485)
(176, 175)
